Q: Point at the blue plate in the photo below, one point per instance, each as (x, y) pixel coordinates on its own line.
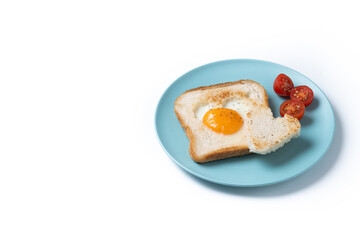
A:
(297, 156)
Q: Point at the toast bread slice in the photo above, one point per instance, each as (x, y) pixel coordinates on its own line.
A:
(250, 100)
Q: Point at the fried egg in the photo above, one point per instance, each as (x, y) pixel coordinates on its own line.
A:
(227, 119)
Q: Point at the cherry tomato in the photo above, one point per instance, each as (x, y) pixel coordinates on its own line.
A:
(293, 108)
(283, 85)
(302, 94)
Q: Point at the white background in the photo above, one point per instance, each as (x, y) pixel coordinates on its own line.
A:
(79, 83)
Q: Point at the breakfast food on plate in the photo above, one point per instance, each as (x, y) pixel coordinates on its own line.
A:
(283, 85)
(293, 108)
(232, 119)
(301, 96)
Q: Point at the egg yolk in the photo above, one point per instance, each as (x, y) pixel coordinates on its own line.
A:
(223, 120)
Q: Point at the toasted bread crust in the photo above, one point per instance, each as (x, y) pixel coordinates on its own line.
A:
(226, 84)
(220, 153)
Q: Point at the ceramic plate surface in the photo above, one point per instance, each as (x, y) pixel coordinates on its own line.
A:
(297, 156)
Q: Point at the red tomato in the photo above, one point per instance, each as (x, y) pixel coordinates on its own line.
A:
(293, 108)
(283, 85)
(302, 94)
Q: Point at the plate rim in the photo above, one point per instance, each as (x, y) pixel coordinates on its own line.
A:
(204, 177)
